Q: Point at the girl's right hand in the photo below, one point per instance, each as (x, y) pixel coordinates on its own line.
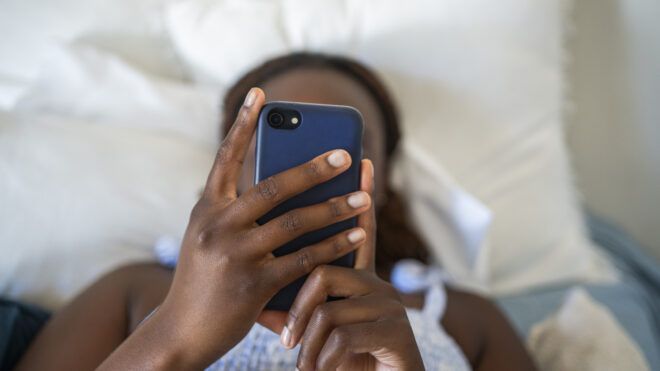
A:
(226, 272)
(368, 329)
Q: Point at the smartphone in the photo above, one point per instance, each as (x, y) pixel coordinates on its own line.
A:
(290, 134)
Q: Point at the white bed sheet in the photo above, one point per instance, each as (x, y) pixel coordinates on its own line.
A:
(98, 160)
(114, 143)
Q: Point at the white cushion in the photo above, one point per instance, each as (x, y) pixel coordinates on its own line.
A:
(85, 81)
(29, 29)
(479, 85)
(79, 199)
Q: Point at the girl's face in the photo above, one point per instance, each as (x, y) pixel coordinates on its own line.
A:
(326, 86)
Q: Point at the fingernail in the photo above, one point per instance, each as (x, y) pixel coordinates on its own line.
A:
(249, 99)
(356, 236)
(285, 338)
(358, 200)
(338, 158)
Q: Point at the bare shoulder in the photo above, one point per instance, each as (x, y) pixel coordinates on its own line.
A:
(84, 332)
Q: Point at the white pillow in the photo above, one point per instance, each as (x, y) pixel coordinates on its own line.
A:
(84, 81)
(30, 28)
(456, 225)
(479, 85)
(78, 199)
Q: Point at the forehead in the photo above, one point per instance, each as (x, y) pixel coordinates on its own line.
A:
(328, 86)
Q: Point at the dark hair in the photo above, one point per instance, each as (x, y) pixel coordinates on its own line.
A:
(358, 72)
(395, 239)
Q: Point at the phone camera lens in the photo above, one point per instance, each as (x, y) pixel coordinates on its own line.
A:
(275, 119)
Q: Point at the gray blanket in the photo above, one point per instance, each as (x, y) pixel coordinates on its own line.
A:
(635, 301)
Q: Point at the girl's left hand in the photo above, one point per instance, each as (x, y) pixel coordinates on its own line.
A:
(366, 330)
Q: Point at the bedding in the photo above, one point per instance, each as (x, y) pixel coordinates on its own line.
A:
(100, 154)
(507, 152)
(634, 301)
(456, 222)
(261, 348)
(479, 85)
(582, 334)
(30, 29)
(88, 82)
(80, 199)
(19, 324)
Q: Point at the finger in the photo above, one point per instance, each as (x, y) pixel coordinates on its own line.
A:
(268, 193)
(365, 256)
(297, 222)
(369, 337)
(229, 159)
(327, 280)
(273, 320)
(328, 316)
(367, 176)
(292, 266)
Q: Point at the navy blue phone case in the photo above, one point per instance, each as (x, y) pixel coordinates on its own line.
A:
(322, 128)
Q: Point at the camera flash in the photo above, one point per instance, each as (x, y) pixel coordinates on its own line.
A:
(294, 120)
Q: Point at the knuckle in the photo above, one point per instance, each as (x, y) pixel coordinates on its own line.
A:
(313, 170)
(389, 290)
(268, 189)
(198, 210)
(224, 217)
(305, 260)
(340, 338)
(241, 238)
(323, 314)
(392, 307)
(243, 116)
(320, 275)
(204, 237)
(302, 363)
(335, 208)
(305, 362)
(223, 154)
(338, 245)
(293, 315)
(248, 287)
(291, 222)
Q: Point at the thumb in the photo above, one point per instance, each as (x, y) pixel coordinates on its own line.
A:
(365, 256)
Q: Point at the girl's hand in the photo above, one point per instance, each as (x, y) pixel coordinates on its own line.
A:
(368, 329)
(226, 272)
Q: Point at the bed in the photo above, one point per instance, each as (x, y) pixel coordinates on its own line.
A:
(109, 124)
(634, 300)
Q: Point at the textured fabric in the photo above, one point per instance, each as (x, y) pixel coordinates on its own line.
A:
(635, 301)
(261, 349)
(583, 335)
(19, 323)
(100, 194)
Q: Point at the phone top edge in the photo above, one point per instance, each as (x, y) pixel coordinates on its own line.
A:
(289, 104)
(301, 106)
